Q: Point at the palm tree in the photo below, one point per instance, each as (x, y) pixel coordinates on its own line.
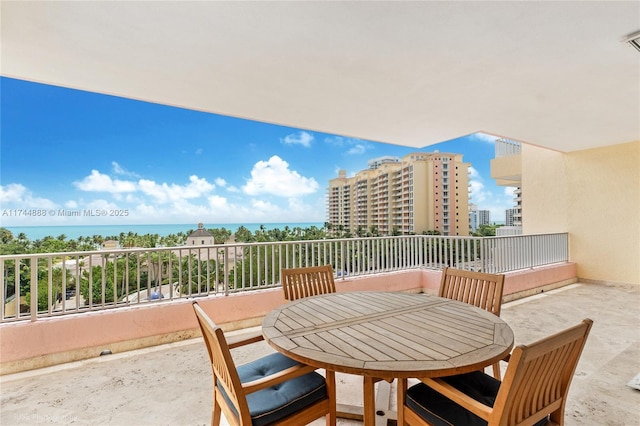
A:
(6, 236)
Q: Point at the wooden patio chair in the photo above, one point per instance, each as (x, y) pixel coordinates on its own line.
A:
(309, 281)
(298, 283)
(533, 392)
(273, 390)
(475, 288)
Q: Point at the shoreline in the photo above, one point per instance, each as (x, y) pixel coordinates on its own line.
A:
(73, 232)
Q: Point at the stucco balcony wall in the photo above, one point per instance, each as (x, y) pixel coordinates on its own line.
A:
(507, 171)
(28, 345)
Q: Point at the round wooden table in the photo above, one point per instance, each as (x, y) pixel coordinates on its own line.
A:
(387, 335)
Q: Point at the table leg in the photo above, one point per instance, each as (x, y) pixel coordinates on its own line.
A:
(384, 414)
(369, 400)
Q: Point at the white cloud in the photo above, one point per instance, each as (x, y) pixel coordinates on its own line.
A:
(149, 211)
(15, 195)
(478, 193)
(483, 137)
(119, 170)
(336, 140)
(263, 207)
(164, 193)
(307, 213)
(98, 182)
(101, 204)
(12, 192)
(274, 177)
(176, 212)
(357, 146)
(301, 138)
(218, 202)
(357, 150)
(273, 193)
(122, 190)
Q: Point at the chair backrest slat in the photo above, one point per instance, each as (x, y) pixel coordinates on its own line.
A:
(223, 367)
(298, 283)
(476, 288)
(538, 377)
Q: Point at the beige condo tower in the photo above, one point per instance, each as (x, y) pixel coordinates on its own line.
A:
(418, 193)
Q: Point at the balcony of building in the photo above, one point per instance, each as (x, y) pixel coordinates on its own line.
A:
(506, 167)
(578, 165)
(53, 304)
(170, 383)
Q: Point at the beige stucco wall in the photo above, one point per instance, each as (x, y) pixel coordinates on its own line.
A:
(595, 196)
(544, 191)
(507, 171)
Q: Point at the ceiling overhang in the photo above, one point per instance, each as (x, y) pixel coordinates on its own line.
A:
(554, 74)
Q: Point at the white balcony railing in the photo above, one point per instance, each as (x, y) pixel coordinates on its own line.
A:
(75, 282)
(506, 148)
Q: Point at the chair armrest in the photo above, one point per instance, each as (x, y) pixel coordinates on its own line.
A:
(279, 377)
(462, 399)
(244, 339)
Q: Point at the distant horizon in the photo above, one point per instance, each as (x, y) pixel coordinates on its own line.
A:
(73, 232)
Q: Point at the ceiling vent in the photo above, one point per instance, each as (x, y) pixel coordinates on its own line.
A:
(633, 40)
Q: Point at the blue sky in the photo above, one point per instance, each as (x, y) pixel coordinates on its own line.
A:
(76, 151)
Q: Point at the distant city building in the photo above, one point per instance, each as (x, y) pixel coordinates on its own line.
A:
(517, 215)
(200, 237)
(508, 166)
(376, 162)
(420, 192)
(484, 217)
(509, 217)
(110, 244)
(339, 208)
(473, 217)
(511, 227)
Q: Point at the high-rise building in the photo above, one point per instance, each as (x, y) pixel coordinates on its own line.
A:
(339, 202)
(509, 217)
(484, 217)
(420, 192)
(507, 165)
(517, 215)
(473, 217)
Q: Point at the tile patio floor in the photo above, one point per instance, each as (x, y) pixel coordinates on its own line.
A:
(171, 384)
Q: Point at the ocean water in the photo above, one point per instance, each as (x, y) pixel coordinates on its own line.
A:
(73, 232)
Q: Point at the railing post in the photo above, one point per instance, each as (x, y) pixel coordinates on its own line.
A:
(483, 264)
(531, 250)
(34, 289)
(342, 264)
(3, 290)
